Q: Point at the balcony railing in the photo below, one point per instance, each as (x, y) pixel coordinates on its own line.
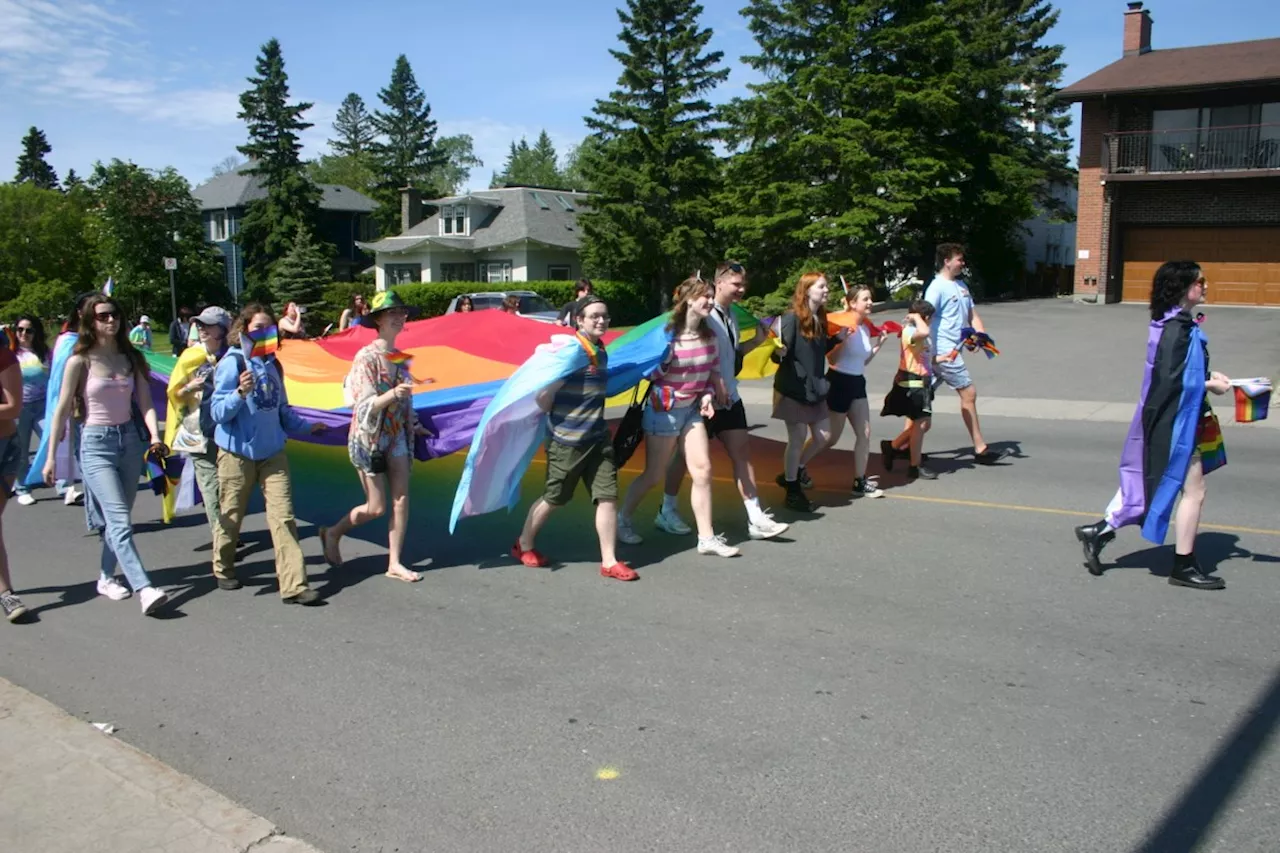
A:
(1206, 149)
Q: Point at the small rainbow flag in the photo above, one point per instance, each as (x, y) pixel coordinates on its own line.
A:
(400, 358)
(971, 339)
(109, 287)
(157, 475)
(1253, 399)
(263, 342)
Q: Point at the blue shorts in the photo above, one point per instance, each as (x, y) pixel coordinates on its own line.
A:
(10, 456)
(673, 423)
(954, 373)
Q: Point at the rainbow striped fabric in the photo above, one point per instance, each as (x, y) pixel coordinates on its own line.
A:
(1253, 399)
(265, 341)
(1209, 444)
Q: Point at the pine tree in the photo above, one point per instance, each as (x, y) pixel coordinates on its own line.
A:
(274, 150)
(406, 155)
(536, 166)
(301, 275)
(353, 127)
(31, 163)
(72, 182)
(654, 167)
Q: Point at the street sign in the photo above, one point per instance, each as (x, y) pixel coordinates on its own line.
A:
(171, 263)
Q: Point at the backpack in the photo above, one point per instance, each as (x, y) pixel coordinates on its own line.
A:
(207, 423)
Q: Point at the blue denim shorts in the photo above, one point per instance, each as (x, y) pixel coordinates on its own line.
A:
(954, 373)
(673, 423)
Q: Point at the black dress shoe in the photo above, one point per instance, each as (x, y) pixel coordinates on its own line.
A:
(1186, 572)
(887, 453)
(1093, 539)
(307, 597)
(229, 583)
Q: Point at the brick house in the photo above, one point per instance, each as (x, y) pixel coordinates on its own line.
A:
(1180, 158)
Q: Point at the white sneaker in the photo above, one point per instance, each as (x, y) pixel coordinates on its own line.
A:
(626, 533)
(671, 522)
(765, 527)
(717, 546)
(72, 496)
(25, 499)
(152, 599)
(113, 589)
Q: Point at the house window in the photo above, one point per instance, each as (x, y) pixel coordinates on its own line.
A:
(495, 271)
(558, 272)
(457, 272)
(218, 227)
(394, 274)
(453, 220)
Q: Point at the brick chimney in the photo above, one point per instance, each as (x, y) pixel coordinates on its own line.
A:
(1137, 30)
(410, 208)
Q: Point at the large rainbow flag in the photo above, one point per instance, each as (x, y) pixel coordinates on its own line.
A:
(469, 356)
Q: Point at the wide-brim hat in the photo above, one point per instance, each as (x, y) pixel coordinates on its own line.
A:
(385, 300)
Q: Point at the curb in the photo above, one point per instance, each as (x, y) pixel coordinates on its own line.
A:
(70, 788)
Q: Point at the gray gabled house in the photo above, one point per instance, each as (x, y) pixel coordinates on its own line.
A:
(497, 235)
(345, 220)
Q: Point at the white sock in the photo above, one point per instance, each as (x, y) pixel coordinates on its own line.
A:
(670, 503)
(754, 510)
(1106, 528)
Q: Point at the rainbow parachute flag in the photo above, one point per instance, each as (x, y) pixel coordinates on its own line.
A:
(1253, 399)
(468, 355)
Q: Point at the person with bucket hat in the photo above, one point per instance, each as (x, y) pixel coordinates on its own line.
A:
(383, 427)
(189, 424)
(140, 335)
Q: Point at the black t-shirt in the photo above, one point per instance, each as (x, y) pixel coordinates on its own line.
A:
(567, 313)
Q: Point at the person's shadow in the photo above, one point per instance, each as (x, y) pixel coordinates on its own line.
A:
(1212, 549)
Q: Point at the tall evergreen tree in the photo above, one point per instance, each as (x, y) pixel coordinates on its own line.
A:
(885, 126)
(654, 167)
(73, 181)
(353, 127)
(536, 165)
(300, 276)
(32, 167)
(407, 154)
(274, 151)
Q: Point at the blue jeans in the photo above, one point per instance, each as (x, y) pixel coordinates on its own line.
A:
(31, 420)
(111, 462)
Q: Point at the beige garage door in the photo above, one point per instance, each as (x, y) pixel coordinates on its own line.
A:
(1242, 265)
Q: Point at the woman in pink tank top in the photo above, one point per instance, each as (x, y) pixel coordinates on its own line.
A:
(107, 376)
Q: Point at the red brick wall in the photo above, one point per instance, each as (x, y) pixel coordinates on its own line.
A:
(1094, 122)
(1200, 202)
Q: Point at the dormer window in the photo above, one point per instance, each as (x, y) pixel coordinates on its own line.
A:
(454, 221)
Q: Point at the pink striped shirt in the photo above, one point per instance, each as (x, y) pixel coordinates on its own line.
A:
(692, 372)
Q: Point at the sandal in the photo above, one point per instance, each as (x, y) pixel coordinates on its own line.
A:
(324, 547)
(410, 577)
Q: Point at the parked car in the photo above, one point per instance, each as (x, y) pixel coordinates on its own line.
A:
(532, 305)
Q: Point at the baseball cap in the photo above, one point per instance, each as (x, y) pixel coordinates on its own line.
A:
(145, 319)
(213, 316)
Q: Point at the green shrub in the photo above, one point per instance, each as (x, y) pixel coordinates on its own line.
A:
(627, 304)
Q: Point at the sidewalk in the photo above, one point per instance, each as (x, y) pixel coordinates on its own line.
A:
(68, 788)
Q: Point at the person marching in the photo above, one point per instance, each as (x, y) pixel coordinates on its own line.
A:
(1174, 438)
(12, 451)
(33, 355)
(847, 398)
(180, 331)
(684, 391)
(63, 449)
(251, 411)
(354, 314)
(380, 442)
(800, 386)
(579, 448)
(140, 335)
(727, 424)
(189, 426)
(911, 396)
(106, 378)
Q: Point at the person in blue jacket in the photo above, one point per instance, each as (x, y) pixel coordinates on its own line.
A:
(251, 413)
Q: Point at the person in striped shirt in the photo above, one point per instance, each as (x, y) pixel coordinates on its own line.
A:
(684, 390)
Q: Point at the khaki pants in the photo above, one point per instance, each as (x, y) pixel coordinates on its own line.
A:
(237, 476)
(206, 469)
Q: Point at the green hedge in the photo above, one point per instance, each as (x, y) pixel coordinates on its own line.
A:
(627, 304)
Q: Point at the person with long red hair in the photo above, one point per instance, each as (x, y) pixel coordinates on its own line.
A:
(800, 386)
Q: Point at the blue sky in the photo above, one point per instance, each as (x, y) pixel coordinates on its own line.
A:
(140, 80)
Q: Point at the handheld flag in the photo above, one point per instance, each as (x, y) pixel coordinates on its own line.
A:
(157, 476)
(1253, 399)
(972, 340)
(844, 284)
(109, 287)
(263, 342)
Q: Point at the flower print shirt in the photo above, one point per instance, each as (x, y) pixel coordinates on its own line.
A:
(389, 430)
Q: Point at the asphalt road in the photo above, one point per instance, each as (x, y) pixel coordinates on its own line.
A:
(932, 671)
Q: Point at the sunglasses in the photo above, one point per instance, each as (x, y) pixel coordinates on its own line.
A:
(24, 330)
(104, 316)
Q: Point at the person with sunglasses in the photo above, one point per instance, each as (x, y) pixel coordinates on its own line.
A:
(32, 353)
(108, 382)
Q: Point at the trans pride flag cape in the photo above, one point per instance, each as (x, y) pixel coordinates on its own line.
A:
(1163, 434)
(64, 458)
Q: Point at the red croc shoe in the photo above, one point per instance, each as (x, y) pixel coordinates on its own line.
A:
(530, 558)
(619, 572)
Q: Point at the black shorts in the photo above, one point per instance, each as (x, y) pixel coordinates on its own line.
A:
(845, 388)
(734, 417)
(910, 397)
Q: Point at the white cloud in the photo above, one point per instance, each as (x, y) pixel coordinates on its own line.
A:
(74, 54)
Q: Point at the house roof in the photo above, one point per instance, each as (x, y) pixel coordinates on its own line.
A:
(237, 189)
(1183, 68)
(510, 215)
